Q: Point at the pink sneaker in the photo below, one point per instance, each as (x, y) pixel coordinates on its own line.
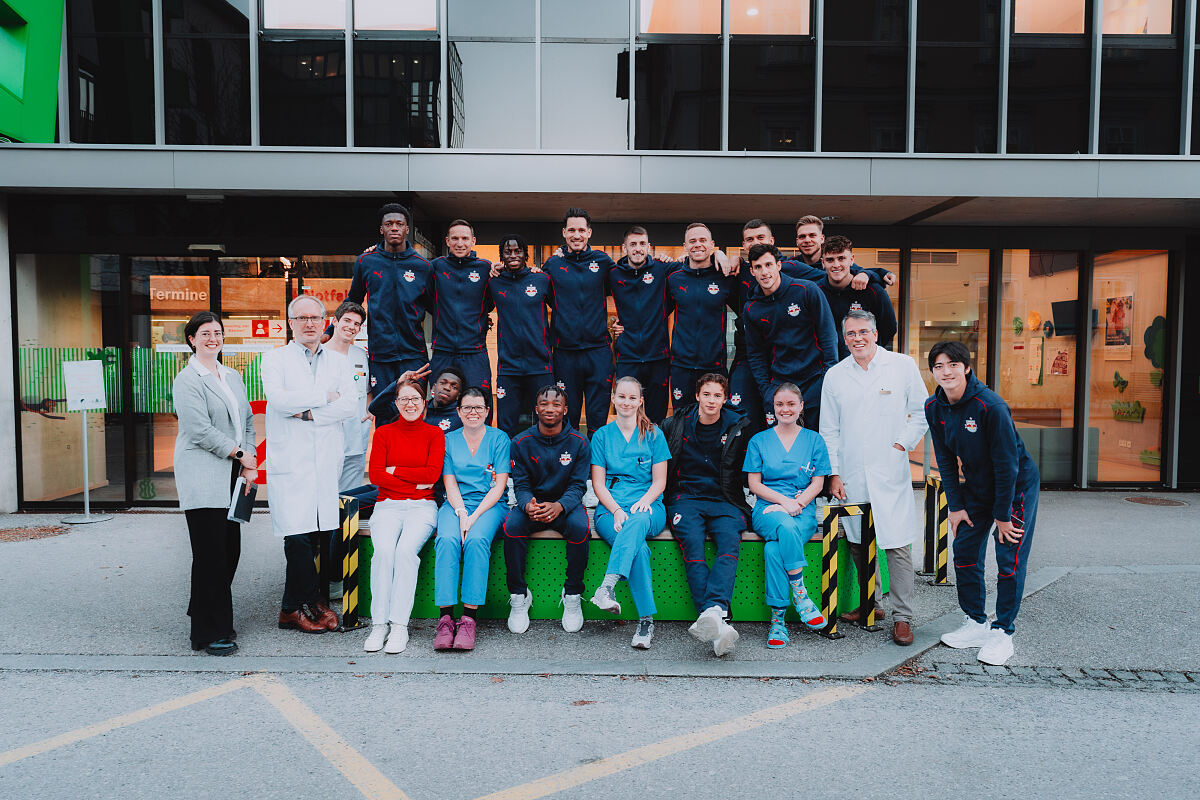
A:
(464, 639)
(445, 633)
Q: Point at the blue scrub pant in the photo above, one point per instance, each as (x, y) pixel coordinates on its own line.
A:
(586, 378)
(515, 398)
(783, 552)
(692, 519)
(630, 556)
(744, 396)
(573, 526)
(654, 377)
(475, 555)
(970, 548)
(475, 367)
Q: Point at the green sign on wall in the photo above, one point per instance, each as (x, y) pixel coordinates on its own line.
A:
(30, 39)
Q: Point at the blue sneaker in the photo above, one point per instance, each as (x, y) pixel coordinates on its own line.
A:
(777, 636)
(810, 615)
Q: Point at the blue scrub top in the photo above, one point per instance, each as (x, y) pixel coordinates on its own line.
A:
(475, 473)
(628, 465)
(787, 471)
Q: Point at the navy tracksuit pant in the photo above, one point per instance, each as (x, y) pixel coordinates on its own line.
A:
(743, 393)
(970, 550)
(515, 398)
(654, 377)
(573, 526)
(691, 520)
(586, 379)
(475, 367)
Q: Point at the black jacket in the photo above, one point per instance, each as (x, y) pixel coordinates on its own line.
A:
(736, 428)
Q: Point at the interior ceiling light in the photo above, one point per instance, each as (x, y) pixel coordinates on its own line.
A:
(751, 12)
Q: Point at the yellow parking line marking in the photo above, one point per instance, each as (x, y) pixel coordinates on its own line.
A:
(122, 721)
(678, 744)
(372, 783)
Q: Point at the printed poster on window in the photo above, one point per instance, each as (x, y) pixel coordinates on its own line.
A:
(1036, 350)
(1118, 325)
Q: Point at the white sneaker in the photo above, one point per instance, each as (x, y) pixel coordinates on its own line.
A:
(589, 497)
(376, 639)
(645, 632)
(971, 634)
(605, 600)
(397, 640)
(997, 649)
(518, 615)
(708, 624)
(726, 639)
(572, 619)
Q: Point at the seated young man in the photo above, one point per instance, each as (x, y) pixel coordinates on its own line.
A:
(705, 496)
(550, 464)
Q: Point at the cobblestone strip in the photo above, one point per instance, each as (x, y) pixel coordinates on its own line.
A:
(1085, 678)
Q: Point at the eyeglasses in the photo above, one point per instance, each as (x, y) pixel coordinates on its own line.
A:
(408, 401)
(209, 335)
(858, 334)
(307, 320)
(472, 409)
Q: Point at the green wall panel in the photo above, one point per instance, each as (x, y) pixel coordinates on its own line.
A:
(30, 52)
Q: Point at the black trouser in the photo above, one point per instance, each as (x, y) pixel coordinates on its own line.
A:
(654, 376)
(216, 548)
(684, 382)
(585, 377)
(574, 529)
(300, 584)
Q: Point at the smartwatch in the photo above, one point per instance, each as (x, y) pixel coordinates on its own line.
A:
(238, 455)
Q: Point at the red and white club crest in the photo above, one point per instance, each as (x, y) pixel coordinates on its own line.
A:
(713, 288)
(770, 418)
(648, 278)
(562, 387)
(594, 267)
(793, 310)
(677, 394)
(473, 276)
(444, 425)
(531, 290)
(724, 437)
(409, 275)
(856, 306)
(735, 400)
(500, 393)
(564, 459)
(971, 425)
(675, 519)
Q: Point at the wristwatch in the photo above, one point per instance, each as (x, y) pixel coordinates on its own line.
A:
(238, 455)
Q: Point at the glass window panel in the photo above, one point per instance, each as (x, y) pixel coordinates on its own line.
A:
(111, 85)
(1140, 98)
(207, 90)
(771, 17)
(1137, 16)
(958, 76)
(206, 17)
(491, 18)
(603, 20)
(864, 98)
(1048, 88)
(584, 75)
(1049, 16)
(304, 14)
(948, 302)
(395, 15)
(1037, 359)
(680, 16)
(495, 81)
(771, 95)
(678, 96)
(68, 309)
(396, 93)
(959, 21)
(867, 21)
(1128, 352)
(303, 93)
(89, 17)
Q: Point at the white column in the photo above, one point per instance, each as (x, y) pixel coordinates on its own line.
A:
(8, 392)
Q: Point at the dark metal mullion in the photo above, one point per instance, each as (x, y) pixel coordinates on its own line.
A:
(904, 278)
(125, 354)
(995, 290)
(1083, 367)
(1173, 366)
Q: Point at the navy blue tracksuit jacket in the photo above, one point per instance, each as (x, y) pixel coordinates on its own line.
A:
(460, 303)
(580, 320)
(640, 296)
(550, 468)
(979, 433)
(395, 287)
(790, 336)
(523, 334)
(699, 298)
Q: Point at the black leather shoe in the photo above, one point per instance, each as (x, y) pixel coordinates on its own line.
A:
(221, 647)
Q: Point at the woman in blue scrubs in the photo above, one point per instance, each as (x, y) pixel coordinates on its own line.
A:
(476, 477)
(629, 474)
(785, 469)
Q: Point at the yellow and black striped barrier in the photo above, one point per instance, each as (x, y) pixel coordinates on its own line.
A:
(348, 519)
(937, 532)
(867, 569)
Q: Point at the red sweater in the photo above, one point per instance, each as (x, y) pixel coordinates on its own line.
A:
(416, 450)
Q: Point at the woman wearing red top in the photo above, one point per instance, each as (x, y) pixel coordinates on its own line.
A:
(406, 461)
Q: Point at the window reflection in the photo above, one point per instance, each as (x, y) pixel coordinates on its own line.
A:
(958, 76)
(491, 18)
(588, 74)
(1137, 16)
(304, 14)
(680, 16)
(865, 74)
(1048, 88)
(1139, 98)
(771, 95)
(395, 15)
(396, 93)
(303, 98)
(1049, 16)
(595, 20)
(496, 83)
(679, 96)
(770, 17)
(206, 72)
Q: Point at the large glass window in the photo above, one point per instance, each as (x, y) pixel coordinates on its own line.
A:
(110, 56)
(1140, 94)
(958, 75)
(948, 301)
(1049, 16)
(585, 18)
(303, 96)
(390, 15)
(491, 18)
(771, 93)
(584, 76)
(1128, 358)
(396, 93)
(1049, 84)
(865, 75)
(1037, 362)
(1137, 17)
(680, 16)
(678, 96)
(206, 72)
(496, 80)
(770, 17)
(304, 14)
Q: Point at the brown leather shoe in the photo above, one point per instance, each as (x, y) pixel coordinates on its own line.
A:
(302, 619)
(902, 633)
(854, 616)
(326, 617)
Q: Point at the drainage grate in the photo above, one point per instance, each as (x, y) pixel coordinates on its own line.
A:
(1154, 501)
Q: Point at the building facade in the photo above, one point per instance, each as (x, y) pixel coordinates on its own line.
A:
(1025, 167)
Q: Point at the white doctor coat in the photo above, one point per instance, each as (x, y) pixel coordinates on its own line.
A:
(304, 459)
(863, 413)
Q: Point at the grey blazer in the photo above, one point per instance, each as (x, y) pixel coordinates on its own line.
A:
(207, 435)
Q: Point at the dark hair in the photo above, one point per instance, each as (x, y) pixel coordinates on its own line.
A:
(577, 212)
(515, 237)
(394, 208)
(761, 249)
(635, 230)
(475, 391)
(194, 324)
(548, 390)
(955, 351)
(459, 222)
(350, 307)
(713, 377)
(836, 244)
(755, 223)
(452, 370)
(697, 225)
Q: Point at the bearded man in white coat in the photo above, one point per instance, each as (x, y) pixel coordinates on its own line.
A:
(310, 392)
(872, 414)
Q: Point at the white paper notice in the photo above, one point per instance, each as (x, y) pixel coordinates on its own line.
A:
(85, 385)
